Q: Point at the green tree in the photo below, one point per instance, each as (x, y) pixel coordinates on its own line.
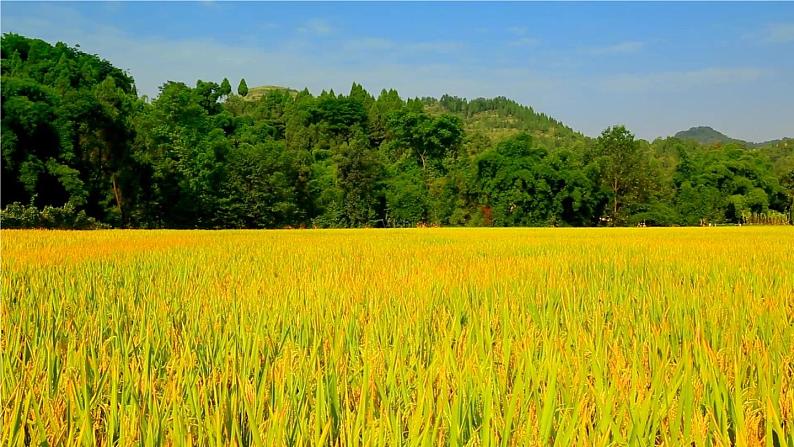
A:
(379, 111)
(429, 139)
(620, 161)
(360, 173)
(787, 182)
(66, 129)
(242, 88)
(226, 87)
(406, 195)
(259, 189)
(339, 116)
(521, 184)
(185, 154)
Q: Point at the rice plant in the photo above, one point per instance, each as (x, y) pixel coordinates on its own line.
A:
(416, 337)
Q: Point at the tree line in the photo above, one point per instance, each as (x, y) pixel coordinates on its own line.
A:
(81, 148)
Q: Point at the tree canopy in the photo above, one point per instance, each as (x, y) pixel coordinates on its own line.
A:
(242, 88)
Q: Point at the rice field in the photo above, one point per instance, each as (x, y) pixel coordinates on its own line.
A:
(416, 337)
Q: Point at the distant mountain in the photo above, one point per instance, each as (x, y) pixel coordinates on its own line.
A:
(707, 135)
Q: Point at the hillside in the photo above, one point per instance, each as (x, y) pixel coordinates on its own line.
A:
(499, 118)
(707, 135)
(496, 118)
(255, 93)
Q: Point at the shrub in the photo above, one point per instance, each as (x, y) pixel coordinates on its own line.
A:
(17, 215)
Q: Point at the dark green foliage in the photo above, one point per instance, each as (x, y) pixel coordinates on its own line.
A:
(406, 196)
(66, 129)
(226, 87)
(80, 147)
(428, 139)
(524, 185)
(724, 182)
(338, 115)
(359, 172)
(259, 189)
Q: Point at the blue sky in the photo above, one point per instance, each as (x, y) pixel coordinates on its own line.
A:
(655, 67)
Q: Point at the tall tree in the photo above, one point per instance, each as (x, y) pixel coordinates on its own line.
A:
(360, 175)
(787, 182)
(226, 87)
(242, 88)
(619, 158)
(429, 139)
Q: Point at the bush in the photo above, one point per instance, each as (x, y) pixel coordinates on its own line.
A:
(17, 215)
(656, 215)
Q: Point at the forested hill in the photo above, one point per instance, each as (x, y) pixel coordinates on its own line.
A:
(499, 118)
(707, 135)
(80, 147)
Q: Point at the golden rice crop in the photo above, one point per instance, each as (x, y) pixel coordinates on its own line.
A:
(418, 337)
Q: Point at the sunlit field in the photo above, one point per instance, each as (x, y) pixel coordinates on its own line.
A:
(419, 337)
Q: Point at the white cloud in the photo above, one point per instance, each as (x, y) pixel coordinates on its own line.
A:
(434, 46)
(389, 48)
(318, 27)
(682, 79)
(618, 48)
(776, 33)
(521, 37)
(524, 42)
(369, 44)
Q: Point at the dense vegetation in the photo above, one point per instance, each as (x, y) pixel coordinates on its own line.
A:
(77, 137)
